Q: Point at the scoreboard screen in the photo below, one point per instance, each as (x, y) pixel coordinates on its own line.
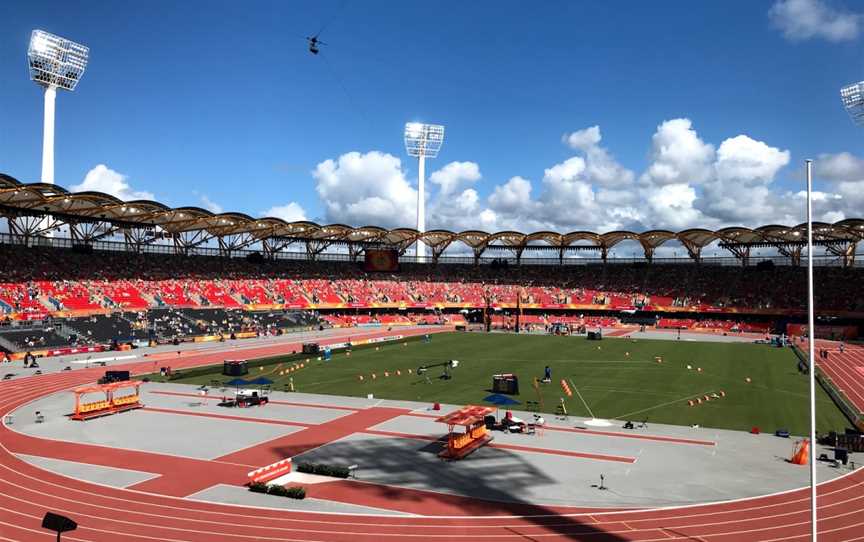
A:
(381, 260)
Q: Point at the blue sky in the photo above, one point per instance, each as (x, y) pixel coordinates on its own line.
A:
(221, 102)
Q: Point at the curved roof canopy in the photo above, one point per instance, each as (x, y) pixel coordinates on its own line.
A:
(17, 198)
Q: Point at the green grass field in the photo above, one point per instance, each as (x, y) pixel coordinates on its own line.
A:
(612, 383)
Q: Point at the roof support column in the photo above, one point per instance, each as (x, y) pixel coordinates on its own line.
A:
(478, 251)
(694, 250)
(793, 252)
(649, 252)
(267, 249)
(846, 252)
(314, 247)
(437, 250)
(354, 250)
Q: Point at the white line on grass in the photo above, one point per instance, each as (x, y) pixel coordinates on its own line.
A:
(582, 398)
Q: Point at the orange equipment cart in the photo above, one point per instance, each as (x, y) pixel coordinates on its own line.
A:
(460, 444)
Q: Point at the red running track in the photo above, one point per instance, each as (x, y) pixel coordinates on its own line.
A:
(846, 370)
(110, 514)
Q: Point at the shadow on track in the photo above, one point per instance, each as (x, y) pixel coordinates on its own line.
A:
(497, 482)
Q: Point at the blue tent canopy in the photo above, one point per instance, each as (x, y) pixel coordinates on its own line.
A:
(237, 382)
(260, 381)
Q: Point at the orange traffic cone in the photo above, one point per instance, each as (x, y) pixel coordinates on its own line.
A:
(802, 453)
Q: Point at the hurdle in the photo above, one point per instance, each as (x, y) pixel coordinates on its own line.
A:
(270, 472)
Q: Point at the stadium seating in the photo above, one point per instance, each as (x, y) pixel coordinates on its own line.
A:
(22, 340)
(38, 281)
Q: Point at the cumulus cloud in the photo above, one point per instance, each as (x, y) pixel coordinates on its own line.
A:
(370, 188)
(844, 173)
(842, 166)
(583, 139)
(454, 174)
(512, 197)
(688, 182)
(104, 179)
(211, 205)
(739, 192)
(290, 212)
(600, 166)
(807, 19)
(678, 155)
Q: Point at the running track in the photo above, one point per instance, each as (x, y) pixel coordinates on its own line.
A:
(846, 370)
(109, 514)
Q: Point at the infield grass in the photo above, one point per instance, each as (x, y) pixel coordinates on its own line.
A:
(612, 379)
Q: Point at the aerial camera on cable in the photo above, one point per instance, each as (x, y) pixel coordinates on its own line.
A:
(314, 43)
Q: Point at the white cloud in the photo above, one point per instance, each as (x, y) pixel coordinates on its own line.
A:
(672, 206)
(290, 212)
(512, 197)
(739, 191)
(688, 183)
(211, 205)
(743, 158)
(838, 167)
(451, 176)
(678, 155)
(806, 19)
(456, 211)
(360, 189)
(583, 139)
(600, 166)
(104, 179)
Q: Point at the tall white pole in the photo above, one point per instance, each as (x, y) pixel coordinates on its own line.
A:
(48, 135)
(811, 324)
(421, 206)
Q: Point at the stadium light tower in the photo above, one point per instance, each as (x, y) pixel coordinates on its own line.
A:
(853, 100)
(55, 63)
(422, 141)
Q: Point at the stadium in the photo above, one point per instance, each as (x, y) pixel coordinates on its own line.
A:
(179, 373)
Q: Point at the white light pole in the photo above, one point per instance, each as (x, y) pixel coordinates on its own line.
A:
(422, 141)
(55, 63)
(812, 350)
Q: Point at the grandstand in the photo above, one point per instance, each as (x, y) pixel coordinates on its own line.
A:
(163, 287)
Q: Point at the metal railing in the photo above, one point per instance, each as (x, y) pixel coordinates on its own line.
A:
(171, 249)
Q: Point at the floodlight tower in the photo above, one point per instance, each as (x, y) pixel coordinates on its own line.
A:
(853, 100)
(422, 141)
(55, 63)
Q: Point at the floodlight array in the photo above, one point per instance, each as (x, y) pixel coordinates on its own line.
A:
(853, 100)
(55, 61)
(423, 139)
